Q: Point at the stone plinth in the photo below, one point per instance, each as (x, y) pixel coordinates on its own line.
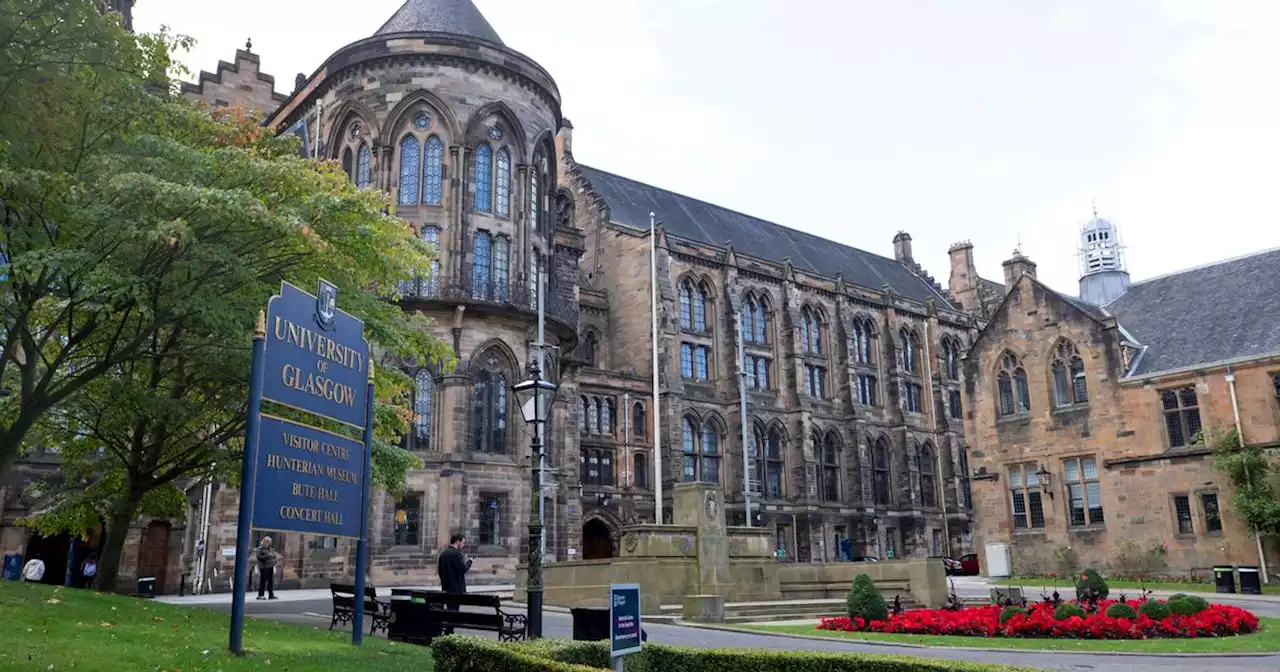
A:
(704, 608)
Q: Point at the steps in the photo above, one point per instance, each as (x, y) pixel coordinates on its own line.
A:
(765, 612)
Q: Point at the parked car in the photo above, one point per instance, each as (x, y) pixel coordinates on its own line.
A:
(969, 565)
(952, 566)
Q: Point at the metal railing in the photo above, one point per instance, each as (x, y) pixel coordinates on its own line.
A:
(516, 295)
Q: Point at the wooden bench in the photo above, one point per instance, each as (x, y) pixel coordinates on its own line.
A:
(433, 613)
(344, 603)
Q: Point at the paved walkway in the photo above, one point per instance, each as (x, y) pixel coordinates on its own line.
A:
(307, 595)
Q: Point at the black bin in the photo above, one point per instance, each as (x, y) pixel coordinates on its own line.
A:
(589, 624)
(146, 586)
(1224, 580)
(1249, 581)
(12, 566)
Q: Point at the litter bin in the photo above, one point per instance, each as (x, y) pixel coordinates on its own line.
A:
(12, 566)
(1224, 580)
(1249, 581)
(146, 586)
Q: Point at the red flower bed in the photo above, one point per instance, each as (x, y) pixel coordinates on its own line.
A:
(1217, 621)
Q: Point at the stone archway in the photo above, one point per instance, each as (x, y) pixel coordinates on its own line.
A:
(597, 540)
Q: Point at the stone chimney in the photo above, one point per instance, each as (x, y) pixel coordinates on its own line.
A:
(564, 138)
(1016, 267)
(902, 248)
(299, 82)
(963, 283)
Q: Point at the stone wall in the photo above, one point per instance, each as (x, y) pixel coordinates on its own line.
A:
(240, 83)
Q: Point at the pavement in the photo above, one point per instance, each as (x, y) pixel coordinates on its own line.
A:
(313, 608)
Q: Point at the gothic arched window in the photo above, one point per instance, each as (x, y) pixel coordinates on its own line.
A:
(409, 170)
(606, 417)
(364, 167)
(639, 424)
(489, 406)
(535, 186)
(709, 469)
(880, 471)
(433, 172)
(811, 330)
(482, 182)
(951, 358)
(639, 471)
(1069, 386)
(773, 463)
(689, 443)
(480, 269)
(761, 322)
(829, 456)
(1012, 392)
(502, 269)
(348, 164)
(748, 319)
(700, 308)
(422, 408)
(928, 484)
(910, 352)
(430, 286)
(861, 341)
(686, 304)
(589, 349)
(503, 190)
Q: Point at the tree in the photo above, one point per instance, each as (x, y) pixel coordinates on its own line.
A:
(1253, 477)
(134, 281)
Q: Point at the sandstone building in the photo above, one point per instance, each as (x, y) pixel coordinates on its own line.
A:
(1087, 416)
(853, 429)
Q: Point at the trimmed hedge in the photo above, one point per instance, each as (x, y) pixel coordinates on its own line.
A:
(1156, 611)
(1011, 611)
(1121, 610)
(865, 602)
(469, 654)
(1067, 610)
(1091, 579)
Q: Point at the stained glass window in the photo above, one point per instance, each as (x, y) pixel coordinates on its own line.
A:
(483, 180)
(501, 268)
(503, 191)
(433, 173)
(422, 408)
(480, 286)
(364, 167)
(430, 286)
(409, 150)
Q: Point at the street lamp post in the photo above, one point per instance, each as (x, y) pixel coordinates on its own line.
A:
(535, 396)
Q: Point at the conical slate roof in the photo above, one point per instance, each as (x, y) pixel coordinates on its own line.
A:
(458, 17)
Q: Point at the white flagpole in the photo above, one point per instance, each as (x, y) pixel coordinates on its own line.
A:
(657, 409)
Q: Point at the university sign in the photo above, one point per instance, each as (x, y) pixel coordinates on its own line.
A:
(308, 356)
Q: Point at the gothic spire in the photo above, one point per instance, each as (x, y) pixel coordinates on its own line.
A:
(457, 17)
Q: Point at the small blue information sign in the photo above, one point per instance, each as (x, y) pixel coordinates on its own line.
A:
(624, 619)
(309, 480)
(317, 359)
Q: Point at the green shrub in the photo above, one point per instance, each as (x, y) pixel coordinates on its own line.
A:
(1198, 602)
(1067, 610)
(456, 653)
(1182, 606)
(591, 654)
(1154, 610)
(1009, 612)
(1121, 610)
(1091, 580)
(1177, 596)
(865, 601)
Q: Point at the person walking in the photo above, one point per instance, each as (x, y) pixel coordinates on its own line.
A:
(266, 558)
(452, 567)
(89, 570)
(33, 571)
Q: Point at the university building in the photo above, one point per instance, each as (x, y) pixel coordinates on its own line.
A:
(1090, 418)
(853, 430)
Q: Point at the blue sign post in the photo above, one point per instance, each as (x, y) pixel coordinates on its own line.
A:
(624, 621)
(311, 357)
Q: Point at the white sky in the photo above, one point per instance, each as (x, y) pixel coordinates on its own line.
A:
(989, 120)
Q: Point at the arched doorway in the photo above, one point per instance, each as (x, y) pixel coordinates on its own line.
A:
(597, 540)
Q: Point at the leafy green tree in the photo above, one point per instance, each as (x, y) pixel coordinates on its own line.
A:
(865, 601)
(1254, 479)
(136, 273)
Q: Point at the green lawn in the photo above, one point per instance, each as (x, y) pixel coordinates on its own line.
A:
(1125, 584)
(1266, 640)
(47, 628)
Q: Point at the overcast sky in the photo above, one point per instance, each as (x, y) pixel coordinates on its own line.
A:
(996, 121)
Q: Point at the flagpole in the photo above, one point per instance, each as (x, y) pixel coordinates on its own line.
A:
(657, 403)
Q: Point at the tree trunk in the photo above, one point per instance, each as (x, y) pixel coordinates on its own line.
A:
(122, 515)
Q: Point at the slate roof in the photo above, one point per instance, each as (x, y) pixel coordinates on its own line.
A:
(458, 17)
(630, 203)
(1222, 311)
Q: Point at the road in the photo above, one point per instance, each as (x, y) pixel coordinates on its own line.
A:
(558, 625)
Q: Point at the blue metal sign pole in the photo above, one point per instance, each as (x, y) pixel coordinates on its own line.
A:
(362, 544)
(248, 474)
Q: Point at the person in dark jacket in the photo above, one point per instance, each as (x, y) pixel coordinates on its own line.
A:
(452, 567)
(266, 558)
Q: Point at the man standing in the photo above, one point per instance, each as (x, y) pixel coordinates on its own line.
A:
(266, 558)
(33, 571)
(452, 567)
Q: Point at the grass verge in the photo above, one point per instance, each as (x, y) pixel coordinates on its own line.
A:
(48, 628)
(1266, 640)
(1064, 585)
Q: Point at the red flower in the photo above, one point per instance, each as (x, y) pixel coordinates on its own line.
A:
(1216, 621)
